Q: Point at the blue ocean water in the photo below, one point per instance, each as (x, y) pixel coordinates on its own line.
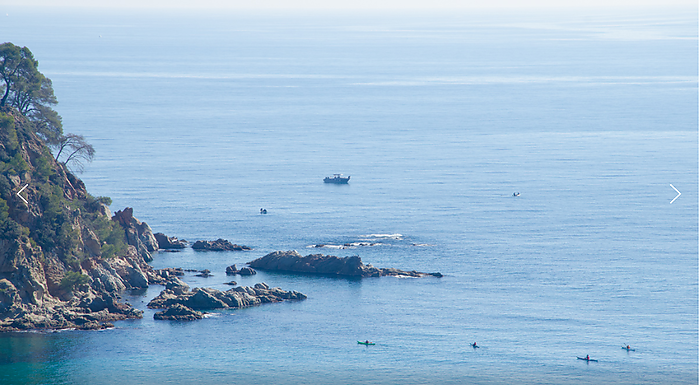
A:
(201, 119)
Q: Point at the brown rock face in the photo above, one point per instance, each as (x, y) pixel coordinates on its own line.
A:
(138, 234)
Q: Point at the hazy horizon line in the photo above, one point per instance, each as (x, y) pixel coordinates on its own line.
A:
(360, 5)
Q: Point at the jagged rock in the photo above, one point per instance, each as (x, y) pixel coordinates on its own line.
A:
(178, 312)
(104, 210)
(138, 234)
(247, 271)
(166, 242)
(231, 270)
(131, 273)
(177, 286)
(204, 273)
(238, 297)
(231, 283)
(218, 245)
(169, 271)
(204, 299)
(262, 286)
(292, 261)
(91, 242)
(9, 296)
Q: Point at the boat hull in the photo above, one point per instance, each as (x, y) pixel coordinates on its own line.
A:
(336, 180)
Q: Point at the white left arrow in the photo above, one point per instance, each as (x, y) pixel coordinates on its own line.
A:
(679, 194)
(21, 197)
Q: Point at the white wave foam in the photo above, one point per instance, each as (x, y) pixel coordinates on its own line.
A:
(319, 246)
(363, 244)
(389, 236)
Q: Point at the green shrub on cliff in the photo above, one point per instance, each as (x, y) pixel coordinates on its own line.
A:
(93, 203)
(73, 279)
(111, 233)
(42, 169)
(4, 210)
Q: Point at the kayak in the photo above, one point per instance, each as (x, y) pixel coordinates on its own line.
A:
(629, 350)
(587, 359)
(365, 343)
(475, 346)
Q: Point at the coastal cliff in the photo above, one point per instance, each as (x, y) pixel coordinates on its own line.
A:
(63, 257)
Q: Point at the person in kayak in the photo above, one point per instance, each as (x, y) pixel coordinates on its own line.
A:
(588, 358)
(628, 347)
(474, 345)
(366, 341)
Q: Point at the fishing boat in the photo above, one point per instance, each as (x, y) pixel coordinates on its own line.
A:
(337, 179)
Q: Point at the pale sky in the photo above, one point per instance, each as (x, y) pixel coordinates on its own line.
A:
(346, 4)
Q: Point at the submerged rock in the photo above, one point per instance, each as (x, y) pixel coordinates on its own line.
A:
(292, 261)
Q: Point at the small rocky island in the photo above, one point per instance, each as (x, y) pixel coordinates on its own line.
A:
(219, 245)
(182, 304)
(293, 262)
(169, 243)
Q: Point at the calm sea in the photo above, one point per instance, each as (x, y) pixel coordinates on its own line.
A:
(201, 119)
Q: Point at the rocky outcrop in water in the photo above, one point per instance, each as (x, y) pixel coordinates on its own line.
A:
(232, 270)
(219, 245)
(235, 298)
(292, 261)
(167, 243)
(178, 313)
(138, 234)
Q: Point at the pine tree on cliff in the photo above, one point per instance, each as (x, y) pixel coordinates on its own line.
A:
(31, 93)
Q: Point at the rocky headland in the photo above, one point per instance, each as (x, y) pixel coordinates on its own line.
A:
(293, 262)
(64, 258)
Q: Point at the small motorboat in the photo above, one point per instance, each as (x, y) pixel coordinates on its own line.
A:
(337, 179)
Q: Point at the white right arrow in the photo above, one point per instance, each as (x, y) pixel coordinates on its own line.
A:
(21, 197)
(679, 194)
